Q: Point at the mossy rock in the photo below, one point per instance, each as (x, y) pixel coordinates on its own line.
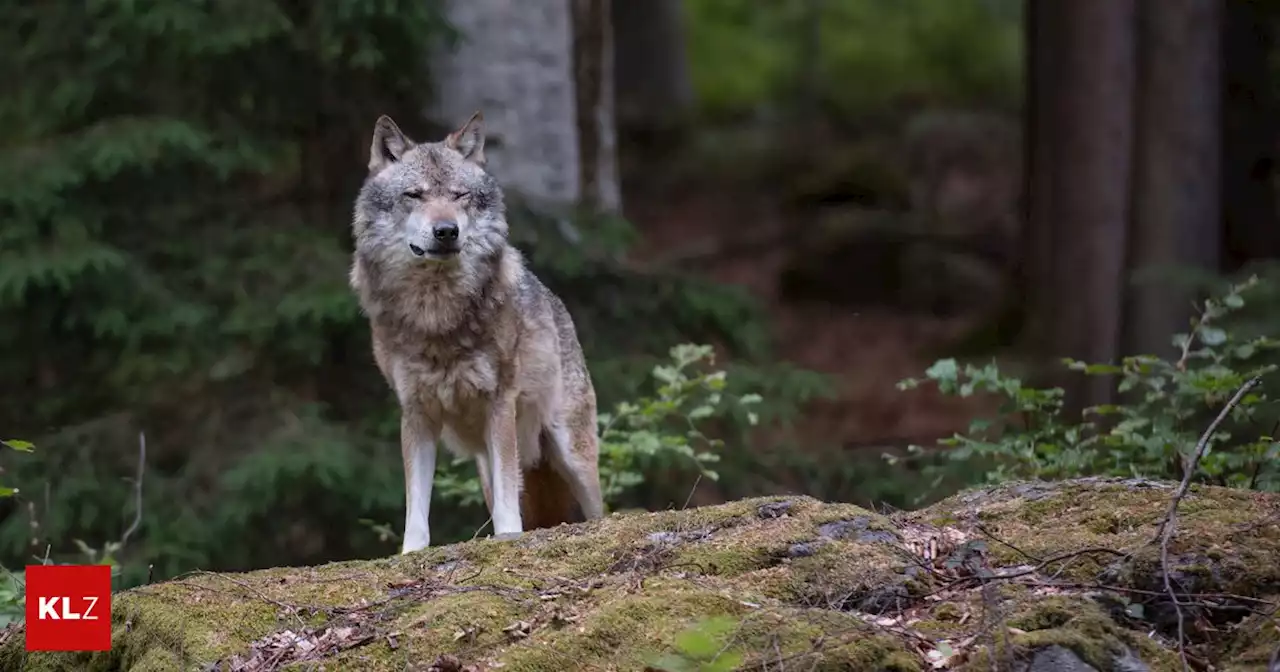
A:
(1026, 575)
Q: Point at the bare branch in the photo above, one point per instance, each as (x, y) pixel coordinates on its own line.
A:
(137, 490)
(1171, 518)
(692, 490)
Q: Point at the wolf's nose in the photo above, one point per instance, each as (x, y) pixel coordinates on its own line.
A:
(417, 251)
(446, 231)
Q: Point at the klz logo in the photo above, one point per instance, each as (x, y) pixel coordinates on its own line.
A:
(49, 609)
(68, 607)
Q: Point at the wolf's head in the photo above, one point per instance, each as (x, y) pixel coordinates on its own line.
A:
(428, 204)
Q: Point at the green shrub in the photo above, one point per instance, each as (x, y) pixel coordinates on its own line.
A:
(12, 595)
(1166, 404)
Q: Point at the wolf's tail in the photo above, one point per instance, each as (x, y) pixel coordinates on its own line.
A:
(546, 499)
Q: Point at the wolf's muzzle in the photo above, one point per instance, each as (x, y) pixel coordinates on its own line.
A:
(443, 243)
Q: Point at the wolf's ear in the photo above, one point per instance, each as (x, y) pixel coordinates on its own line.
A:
(469, 140)
(389, 144)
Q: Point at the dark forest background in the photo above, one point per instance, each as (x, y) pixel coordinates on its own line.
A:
(834, 195)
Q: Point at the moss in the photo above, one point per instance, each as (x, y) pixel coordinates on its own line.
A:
(449, 624)
(181, 620)
(938, 629)
(633, 630)
(834, 512)
(943, 520)
(1071, 623)
(836, 573)
(727, 561)
(626, 631)
(1256, 638)
(1081, 625)
(947, 612)
(156, 660)
(1123, 516)
(810, 582)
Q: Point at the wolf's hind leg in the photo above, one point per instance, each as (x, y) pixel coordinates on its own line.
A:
(574, 453)
(485, 475)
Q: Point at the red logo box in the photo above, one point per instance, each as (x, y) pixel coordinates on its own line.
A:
(68, 607)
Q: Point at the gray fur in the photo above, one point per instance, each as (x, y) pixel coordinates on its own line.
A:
(480, 353)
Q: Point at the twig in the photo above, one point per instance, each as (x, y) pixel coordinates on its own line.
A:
(1257, 466)
(137, 490)
(1171, 517)
(289, 609)
(1034, 570)
(692, 490)
(1202, 598)
(1200, 321)
(481, 528)
(1002, 542)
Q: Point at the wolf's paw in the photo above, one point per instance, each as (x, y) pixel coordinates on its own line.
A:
(507, 536)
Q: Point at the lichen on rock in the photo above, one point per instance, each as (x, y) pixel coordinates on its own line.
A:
(1029, 576)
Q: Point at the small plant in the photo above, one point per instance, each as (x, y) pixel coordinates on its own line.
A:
(12, 584)
(702, 648)
(13, 599)
(1151, 433)
(21, 447)
(665, 425)
(12, 587)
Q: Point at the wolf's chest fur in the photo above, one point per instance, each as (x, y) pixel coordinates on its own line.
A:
(445, 381)
(442, 351)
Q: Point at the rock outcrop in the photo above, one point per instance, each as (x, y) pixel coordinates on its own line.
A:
(1033, 577)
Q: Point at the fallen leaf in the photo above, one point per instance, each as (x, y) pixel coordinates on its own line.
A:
(519, 629)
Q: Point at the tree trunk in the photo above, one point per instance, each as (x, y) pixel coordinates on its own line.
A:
(809, 75)
(651, 68)
(593, 80)
(1084, 201)
(1176, 173)
(515, 61)
(1041, 45)
(1250, 128)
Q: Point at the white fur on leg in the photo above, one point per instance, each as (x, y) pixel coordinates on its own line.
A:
(504, 461)
(506, 495)
(422, 472)
(506, 499)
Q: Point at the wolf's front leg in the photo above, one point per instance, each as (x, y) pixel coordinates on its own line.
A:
(504, 463)
(418, 448)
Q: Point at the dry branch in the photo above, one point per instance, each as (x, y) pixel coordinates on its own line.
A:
(1171, 518)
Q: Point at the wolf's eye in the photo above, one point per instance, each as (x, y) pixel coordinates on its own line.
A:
(458, 195)
(414, 193)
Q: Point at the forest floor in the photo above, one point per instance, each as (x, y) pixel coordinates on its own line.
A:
(1049, 575)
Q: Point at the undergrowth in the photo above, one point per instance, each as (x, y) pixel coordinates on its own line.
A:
(1164, 404)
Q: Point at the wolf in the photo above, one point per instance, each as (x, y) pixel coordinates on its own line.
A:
(480, 354)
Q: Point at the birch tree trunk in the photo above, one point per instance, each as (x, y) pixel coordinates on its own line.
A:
(516, 62)
(594, 85)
